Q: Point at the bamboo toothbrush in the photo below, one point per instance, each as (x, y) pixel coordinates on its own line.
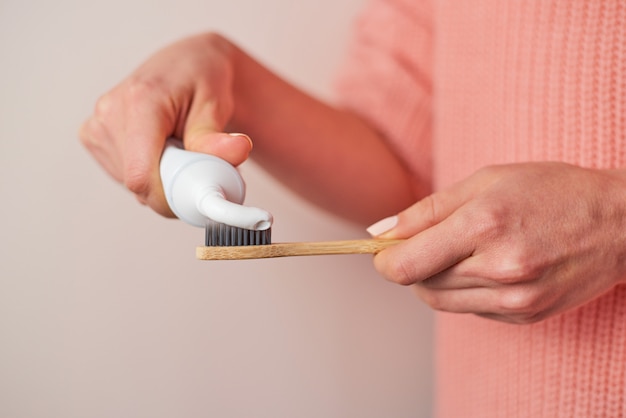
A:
(291, 249)
(206, 191)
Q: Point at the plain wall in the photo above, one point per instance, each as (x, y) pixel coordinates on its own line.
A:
(104, 311)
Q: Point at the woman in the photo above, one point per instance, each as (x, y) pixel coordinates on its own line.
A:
(504, 121)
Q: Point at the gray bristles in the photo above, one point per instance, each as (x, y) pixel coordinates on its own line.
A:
(222, 235)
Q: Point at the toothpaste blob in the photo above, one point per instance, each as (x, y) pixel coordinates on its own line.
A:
(200, 188)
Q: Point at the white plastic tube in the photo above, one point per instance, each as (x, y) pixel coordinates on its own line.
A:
(200, 188)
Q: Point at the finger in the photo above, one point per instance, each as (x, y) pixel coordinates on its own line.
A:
(430, 210)
(101, 133)
(96, 138)
(481, 301)
(450, 279)
(523, 317)
(485, 302)
(203, 133)
(428, 253)
(233, 148)
(149, 124)
(515, 304)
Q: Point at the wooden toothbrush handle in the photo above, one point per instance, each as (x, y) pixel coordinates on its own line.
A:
(291, 249)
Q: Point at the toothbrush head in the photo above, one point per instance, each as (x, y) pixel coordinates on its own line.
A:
(221, 235)
(230, 224)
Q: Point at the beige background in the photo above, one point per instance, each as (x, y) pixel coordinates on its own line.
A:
(104, 312)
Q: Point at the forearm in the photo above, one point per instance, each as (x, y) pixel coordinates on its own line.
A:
(328, 156)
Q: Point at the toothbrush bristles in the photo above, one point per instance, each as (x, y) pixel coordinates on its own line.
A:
(222, 235)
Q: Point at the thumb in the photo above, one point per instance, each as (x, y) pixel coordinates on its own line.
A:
(203, 134)
(424, 214)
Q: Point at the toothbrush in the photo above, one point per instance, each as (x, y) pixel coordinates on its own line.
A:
(292, 249)
(206, 191)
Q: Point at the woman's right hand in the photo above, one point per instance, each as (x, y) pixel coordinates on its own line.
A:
(184, 90)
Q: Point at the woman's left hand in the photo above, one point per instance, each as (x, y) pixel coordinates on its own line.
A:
(516, 243)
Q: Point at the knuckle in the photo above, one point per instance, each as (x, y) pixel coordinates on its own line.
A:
(518, 263)
(140, 89)
(524, 303)
(433, 299)
(104, 106)
(397, 270)
(86, 134)
(137, 179)
(490, 222)
(402, 272)
(92, 134)
(517, 268)
(216, 40)
(429, 207)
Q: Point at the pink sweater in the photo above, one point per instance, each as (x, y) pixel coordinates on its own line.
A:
(457, 85)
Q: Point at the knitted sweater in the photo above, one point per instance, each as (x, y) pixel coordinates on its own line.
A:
(456, 85)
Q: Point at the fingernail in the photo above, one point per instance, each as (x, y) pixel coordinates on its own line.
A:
(236, 134)
(383, 226)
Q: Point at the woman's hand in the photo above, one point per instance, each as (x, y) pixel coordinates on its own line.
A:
(204, 85)
(516, 243)
(184, 90)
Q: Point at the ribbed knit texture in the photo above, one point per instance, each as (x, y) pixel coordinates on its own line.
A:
(456, 85)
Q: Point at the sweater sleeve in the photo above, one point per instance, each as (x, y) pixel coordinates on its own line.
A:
(386, 78)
